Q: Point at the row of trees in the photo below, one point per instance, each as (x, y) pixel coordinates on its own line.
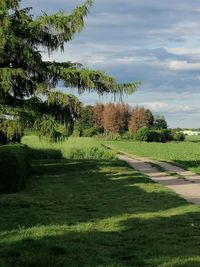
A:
(114, 119)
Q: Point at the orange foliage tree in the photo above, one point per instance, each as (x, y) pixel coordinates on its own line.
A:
(123, 113)
(138, 119)
(98, 116)
(110, 119)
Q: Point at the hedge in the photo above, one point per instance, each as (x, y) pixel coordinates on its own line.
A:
(15, 165)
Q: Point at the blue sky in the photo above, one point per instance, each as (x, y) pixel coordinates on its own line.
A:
(154, 41)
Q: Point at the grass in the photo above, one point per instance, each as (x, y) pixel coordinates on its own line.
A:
(72, 148)
(96, 213)
(185, 154)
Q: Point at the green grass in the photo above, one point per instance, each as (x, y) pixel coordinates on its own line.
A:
(72, 148)
(185, 154)
(96, 213)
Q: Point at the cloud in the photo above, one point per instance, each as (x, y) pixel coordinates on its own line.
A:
(154, 41)
(167, 108)
(183, 65)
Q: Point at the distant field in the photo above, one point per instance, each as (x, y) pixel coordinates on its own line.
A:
(186, 154)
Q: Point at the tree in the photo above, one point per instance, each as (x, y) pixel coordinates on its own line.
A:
(160, 123)
(85, 121)
(98, 117)
(23, 73)
(138, 119)
(110, 119)
(150, 118)
(123, 118)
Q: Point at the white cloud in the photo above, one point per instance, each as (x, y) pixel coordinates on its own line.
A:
(166, 108)
(183, 65)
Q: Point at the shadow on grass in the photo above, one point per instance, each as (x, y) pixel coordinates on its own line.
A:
(45, 153)
(188, 164)
(96, 213)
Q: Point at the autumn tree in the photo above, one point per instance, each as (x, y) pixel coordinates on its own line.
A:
(110, 119)
(123, 113)
(138, 119)
(98, 117)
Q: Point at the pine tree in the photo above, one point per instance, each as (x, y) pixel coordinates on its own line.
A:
(23, 73)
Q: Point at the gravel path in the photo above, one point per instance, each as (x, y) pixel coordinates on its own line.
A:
(188, 188)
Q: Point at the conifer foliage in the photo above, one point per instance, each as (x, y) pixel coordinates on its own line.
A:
(22, 70)
(24, 74)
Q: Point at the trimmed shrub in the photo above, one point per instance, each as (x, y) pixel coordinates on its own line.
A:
(15, 165)
(178, 136)
(142, 134)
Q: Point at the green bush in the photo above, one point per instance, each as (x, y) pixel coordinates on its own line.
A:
(178, 136)
(15, 165)
(160, 136)
(167, 135)
(127, 136)
(142, 134)
(89, 132)
(154, 136)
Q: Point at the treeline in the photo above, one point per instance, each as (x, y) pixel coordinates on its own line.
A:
(119, 121)
(61, 115)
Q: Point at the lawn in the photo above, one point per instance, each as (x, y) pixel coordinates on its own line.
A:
(99, 214)
(186, 154)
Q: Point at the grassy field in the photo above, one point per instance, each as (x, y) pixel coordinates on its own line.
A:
(186, 154)
(97, 214)
(73, 147)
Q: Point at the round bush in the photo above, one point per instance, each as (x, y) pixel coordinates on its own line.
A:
(178, 136)
(142, 134)
(89, 132)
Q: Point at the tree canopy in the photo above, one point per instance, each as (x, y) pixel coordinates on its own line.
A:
(24, 75)
(23, 72)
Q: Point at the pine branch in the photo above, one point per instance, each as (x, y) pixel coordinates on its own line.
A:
(60, 27)
(100, 82)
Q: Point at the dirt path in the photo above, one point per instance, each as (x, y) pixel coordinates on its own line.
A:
(188, 188)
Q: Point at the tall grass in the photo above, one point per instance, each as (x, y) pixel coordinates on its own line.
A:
(73, 148)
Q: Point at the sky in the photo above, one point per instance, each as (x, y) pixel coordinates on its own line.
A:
(156, 42)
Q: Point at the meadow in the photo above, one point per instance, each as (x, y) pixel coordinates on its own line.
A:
(94, 213)
(185, 154)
